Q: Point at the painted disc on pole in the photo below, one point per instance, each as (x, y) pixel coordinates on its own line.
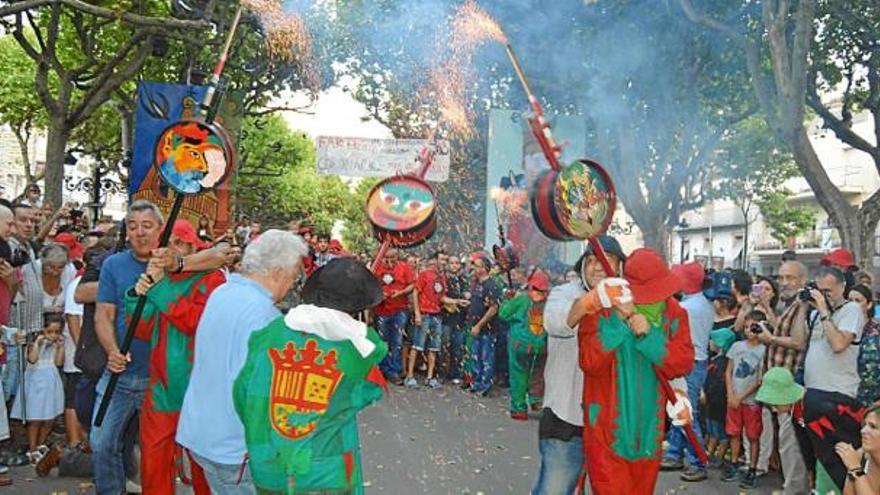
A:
(193, 155)
(574, 203)
(403, 209)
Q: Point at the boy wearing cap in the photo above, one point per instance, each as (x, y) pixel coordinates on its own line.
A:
(174, 306)
(525, 348)
(306, 377)
(622, 349)
(785, 397)
(715, 390)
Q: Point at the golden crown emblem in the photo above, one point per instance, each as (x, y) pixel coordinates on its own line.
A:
(302, 386)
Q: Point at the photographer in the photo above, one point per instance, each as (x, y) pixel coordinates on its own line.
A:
(831, 374)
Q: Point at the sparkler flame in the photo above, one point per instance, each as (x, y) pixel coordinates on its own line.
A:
(449, 80)
(472, 25)
(287, 37)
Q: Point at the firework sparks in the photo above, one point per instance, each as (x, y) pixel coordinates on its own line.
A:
(286, 34)
(472, 25)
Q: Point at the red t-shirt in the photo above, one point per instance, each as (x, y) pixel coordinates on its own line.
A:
(431, 287)
(393, 279)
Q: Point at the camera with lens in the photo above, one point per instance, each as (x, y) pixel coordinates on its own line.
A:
(804, 294)
(756, 328)
(15, 257)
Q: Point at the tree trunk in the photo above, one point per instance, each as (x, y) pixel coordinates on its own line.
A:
(56, 147)
(656, 236)
(22, 139)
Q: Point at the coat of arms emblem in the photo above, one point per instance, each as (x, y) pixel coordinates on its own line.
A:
(302, 386)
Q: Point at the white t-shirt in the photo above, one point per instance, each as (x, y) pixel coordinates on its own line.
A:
(71, 307)
(563, 378)
(832, 371)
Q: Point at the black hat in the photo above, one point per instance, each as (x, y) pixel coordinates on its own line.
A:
(609, 245)
(343, 284)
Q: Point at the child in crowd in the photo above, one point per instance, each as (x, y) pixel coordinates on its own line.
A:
(785, 397)
(715, 390)
(743, 378)
(44, 393)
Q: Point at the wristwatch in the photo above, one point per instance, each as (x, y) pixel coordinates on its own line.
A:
(853, 474)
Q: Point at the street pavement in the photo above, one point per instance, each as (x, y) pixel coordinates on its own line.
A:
(443, 441)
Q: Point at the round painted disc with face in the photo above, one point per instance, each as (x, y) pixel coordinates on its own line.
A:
(193, 155)
(584, 198)
(399, 204)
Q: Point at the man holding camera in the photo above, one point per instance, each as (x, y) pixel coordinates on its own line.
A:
(831, 412)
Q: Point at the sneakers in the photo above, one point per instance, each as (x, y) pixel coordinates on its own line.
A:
(132, 487)
(519, 415)
(749, 480)
(50, 460)
(410, 382)
(433, 383)
(694, 473)
(731, 473)
(668, 464)
(456, 381)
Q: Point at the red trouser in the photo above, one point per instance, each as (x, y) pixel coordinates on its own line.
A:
(611, 474)
(160, 454)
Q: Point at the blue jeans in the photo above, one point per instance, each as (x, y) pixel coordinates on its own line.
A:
(484, 361)
(390, 328)
(453, 342)
(11, 372)
(107, 440)
(678, 441)
(561, 464)
(226, 479)
(428, 335)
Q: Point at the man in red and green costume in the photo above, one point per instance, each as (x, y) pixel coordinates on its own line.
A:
(306, 377)
(526, 344)
(171, 315)
(624, 406)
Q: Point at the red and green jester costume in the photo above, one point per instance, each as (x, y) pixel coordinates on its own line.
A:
(169, 321)
(624, 406)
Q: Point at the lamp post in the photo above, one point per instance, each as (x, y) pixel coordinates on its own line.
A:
(682, 224)
(97, 186)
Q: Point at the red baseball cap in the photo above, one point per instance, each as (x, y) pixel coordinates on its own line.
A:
(74, 248)
(691, 276)
(650, 279)
(184, 231)
(539, 284)
(840, 257)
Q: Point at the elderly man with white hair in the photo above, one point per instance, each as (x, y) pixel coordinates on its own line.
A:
(209, 426)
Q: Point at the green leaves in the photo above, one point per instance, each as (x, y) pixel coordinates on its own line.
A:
(785, 221)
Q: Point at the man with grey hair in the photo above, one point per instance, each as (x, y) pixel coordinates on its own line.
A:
(119, 273)
(831, 412)
(785, 348)
(209, 426)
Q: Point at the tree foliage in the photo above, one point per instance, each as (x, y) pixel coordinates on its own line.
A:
(83, 56)
(298, 192)
(785, 221)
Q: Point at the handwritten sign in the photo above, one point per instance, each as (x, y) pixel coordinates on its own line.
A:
(366, 157)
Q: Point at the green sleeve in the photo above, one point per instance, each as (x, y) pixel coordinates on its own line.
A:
(163, 294)
(381, 347)
(613, 332)
(653, 345)
(515, 308)
(150, 311)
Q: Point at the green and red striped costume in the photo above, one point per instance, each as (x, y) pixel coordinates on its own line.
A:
(169, 321)
(624, 406)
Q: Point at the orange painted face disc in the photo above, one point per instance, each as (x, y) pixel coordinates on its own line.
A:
(192, 155)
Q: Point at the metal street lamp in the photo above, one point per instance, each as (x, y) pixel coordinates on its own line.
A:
(97, 186)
